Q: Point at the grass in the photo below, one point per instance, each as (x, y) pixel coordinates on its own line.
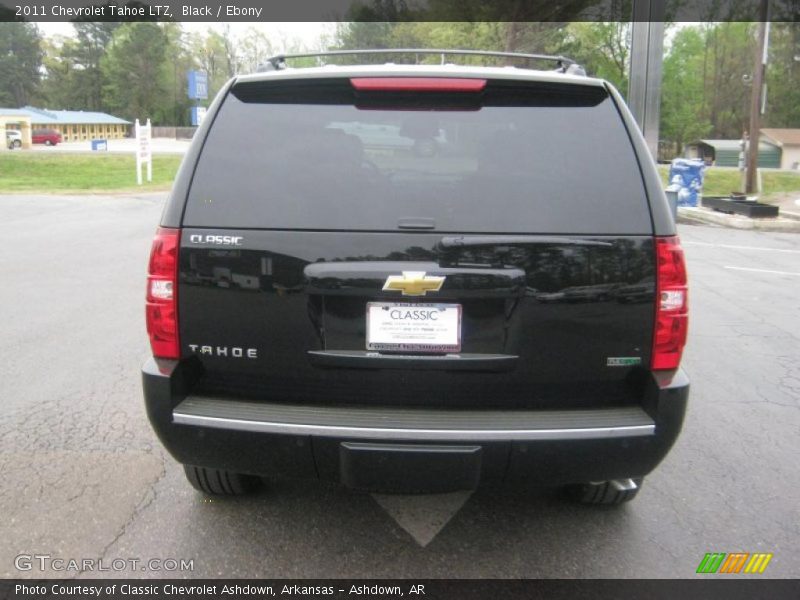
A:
(86, 173)
(722, 181)
(70, 173)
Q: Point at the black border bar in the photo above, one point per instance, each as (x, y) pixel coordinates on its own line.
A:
(705, 587)
(221, 11)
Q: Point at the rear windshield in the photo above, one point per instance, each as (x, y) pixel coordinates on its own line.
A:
(513, 158)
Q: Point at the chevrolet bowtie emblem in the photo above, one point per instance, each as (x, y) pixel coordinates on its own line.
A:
(413, 283)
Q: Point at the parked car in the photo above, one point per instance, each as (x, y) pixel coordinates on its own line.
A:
(405, 323)
(48, 137)
(13, 139)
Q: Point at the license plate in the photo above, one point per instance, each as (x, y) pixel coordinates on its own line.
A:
(411, 327)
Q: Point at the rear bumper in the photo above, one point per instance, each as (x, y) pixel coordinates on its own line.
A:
(412, 425)
(376, 447)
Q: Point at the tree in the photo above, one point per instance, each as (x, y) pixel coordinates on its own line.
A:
(20, 62)
(134, 83)
(229, 47)
(253, 50)
(175, 109)
(728, 58)
(355, 35)
(683, 116)
(210, 54)
(538, 37)
(86, 54)
(601, 48)
(783, 76)
(477, 35)
(60, 88)
(73, 78)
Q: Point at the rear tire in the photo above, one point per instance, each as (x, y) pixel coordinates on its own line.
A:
(604, 493)
(219, 482)
(16, 144)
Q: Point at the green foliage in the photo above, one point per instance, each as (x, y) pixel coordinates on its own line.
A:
(728, 56)
(783, 76)
(601, 48)
(74, 78)
(61, 87)
(704, 93)
(132, 68)
(361, 35)
(87, 53)
(174, 107)
(470, 35)
(139, 69)
(212, 53)
(683, 90)
(705, 88)
(476, 36)
(20, 57)
(254, 50)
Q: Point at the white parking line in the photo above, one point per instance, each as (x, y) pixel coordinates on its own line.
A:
(758, 248)
(762, 271)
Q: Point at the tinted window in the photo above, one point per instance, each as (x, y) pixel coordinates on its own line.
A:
(513, 159)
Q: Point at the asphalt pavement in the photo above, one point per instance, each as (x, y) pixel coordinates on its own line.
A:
(85, 478)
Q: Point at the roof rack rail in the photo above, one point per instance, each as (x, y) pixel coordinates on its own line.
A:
(563, 64)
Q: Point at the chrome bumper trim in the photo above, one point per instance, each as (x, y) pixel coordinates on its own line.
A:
(420, 434)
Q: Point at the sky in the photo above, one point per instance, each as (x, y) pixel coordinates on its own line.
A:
(307, 34)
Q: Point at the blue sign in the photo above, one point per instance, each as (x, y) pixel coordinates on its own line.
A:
(688, 175)
(198, 85)
(198, 113)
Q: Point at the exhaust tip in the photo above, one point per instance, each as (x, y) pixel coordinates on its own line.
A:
(622, 485)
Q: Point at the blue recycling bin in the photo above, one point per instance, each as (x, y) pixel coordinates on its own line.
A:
(687, 175)
(101, 145)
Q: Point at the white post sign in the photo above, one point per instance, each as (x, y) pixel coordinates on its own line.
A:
(144, 151)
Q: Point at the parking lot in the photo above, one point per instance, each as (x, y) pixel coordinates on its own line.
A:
(85, 477)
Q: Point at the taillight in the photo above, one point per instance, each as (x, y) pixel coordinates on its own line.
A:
(162, 294)
(417, 84)
(672, 319)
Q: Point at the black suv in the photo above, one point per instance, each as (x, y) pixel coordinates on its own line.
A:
(327, 300)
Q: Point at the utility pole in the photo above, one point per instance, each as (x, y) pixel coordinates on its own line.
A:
(757, 98)
(646, 56)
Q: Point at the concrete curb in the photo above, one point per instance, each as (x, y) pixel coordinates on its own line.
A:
(704, 216)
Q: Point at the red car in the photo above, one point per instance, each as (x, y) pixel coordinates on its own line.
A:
(48, 137)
